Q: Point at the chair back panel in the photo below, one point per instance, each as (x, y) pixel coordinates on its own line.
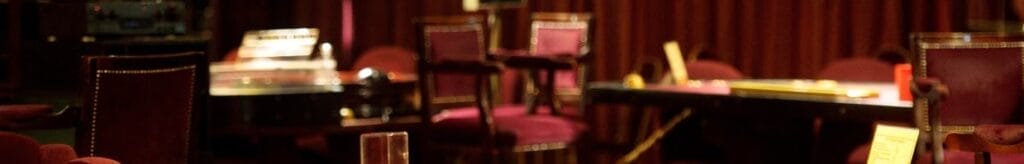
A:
(452, 39)
(561, 34)
(984, 80)
(140, 109)
(557, 38)
(455, 42)
(957, 37)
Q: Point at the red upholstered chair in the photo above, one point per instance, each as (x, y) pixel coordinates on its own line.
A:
(705, 69)
(970, 97)
(19, 149)
(143, 109)
(967, 99)
(563, 37)
(456, 93)
(859, 155)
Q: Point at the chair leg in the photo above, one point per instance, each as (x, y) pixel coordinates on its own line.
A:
(531, 91)
(549, 91)
(982, 157)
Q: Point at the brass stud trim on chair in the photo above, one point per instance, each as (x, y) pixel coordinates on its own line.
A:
(540, 147)
(582, 26)
(96, 93)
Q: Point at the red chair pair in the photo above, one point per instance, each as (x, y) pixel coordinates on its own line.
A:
(455, 73)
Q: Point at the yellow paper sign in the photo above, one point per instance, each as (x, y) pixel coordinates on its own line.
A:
(675, 61)
(892, 144)
(470, 5)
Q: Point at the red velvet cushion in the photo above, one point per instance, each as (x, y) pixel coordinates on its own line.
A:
(987, 80)
(23, 112)
(705, 69)
(858, 69)
(15, 148)
(1000, 134)
(93, 160)
(860, 155)
(986, 141)
(392, 59)
(513, 128)
(57, 153)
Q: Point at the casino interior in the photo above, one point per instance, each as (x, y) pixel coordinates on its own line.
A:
(511, 81)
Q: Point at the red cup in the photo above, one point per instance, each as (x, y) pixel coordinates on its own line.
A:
(902, 76)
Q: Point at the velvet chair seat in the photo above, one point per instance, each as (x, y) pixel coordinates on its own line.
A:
(989, 138)
(514, 127)
(1000, 134)
(19, 149)
(860, 155)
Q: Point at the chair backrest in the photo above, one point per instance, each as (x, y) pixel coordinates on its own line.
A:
(388, 58)
(561, 34)
(984, 79)
(709, 69)
(877, 67)
(142, 109)
(450, 38)
(704, 69)
(858, 69)
(958, 37)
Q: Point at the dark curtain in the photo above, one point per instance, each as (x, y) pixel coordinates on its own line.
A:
(764, 39)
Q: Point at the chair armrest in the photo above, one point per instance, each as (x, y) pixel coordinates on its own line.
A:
(929, 88)
(471, 67)
(507, 52)
(561, 61)
(14, 114)
(65, 118)
(22, 112)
